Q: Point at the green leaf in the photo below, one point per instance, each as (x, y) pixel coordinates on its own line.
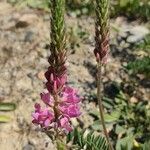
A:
(7, 106)
(146, 145)
(94, 113)
(89, 141)
(141, 66)
(4, 118)
(98, 126)
(70, 136)
(125, 143)
(123, 3)
(114, 116)
(108, 103)
(119, 129)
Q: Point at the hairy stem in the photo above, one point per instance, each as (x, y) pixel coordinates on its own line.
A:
(99, 84)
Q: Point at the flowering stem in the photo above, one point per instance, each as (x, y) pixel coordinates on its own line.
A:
(101, 52)
(99, 83)
(62, 101)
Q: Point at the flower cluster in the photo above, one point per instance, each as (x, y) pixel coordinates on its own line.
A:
(62, 104)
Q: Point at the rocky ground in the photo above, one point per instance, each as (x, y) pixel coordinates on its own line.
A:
(24, 39)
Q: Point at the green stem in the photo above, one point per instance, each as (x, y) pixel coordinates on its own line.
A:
(99, 97)
(60, 144)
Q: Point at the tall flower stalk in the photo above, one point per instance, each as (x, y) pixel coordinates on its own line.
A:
(101, 52)
(61, 101)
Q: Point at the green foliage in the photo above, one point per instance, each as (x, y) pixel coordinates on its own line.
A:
(134, 117)
(76, 36)
(146, 145)
(6, 107)
(125, 143)
(40, 4)
(131, 8)
(127, 121)
(140, 66)
(4, 118)
(145, 45)
(87, 141)
(60, 145)
(80, 7)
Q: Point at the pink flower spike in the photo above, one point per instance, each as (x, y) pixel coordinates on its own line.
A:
(64, 123)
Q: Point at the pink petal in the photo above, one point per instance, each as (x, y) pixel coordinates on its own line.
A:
(71, 99)
(45, 96)
(74, 111)
(64, 123)
(47, 122)
(34, 121)
(37, 106)
(35, 115)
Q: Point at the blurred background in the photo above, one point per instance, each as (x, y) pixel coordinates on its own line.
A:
(24, 49)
